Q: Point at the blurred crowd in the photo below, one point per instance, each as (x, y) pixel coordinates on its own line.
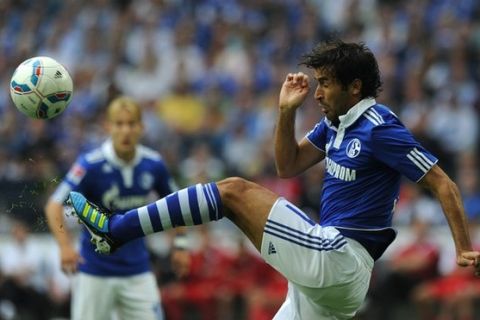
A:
(208, 73)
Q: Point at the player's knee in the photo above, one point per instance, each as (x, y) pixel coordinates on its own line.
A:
(231, 188)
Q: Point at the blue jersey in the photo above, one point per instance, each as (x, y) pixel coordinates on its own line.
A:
(107, 180)
(365, 157)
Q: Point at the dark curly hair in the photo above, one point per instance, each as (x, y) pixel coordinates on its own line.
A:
(347, 62)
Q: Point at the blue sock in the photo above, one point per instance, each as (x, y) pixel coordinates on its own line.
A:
(190, 206)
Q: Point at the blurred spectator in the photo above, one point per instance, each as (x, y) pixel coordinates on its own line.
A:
(416, 203)
(201, 165)
(451, 296)
(453, 123)
(470, 189)
(26, 280)
(197, 293)
(182, 110)
(410, 266)
(258, 289)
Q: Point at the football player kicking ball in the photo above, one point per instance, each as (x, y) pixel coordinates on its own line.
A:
(366, 151)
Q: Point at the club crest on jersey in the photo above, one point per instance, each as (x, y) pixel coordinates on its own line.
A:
(146, 180)
(353, 148)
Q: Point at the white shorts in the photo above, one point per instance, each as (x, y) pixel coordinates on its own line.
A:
(123, 298)
(328, 274)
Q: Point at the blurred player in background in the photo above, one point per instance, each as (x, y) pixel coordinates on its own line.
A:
(120, 175)
(366, 151)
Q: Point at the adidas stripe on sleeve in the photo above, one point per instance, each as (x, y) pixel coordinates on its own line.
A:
(395, 146)
(373, 116)
(420, 160)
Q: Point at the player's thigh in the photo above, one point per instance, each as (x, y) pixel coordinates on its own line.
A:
(92, 297)
(138, 298)
(247, 204)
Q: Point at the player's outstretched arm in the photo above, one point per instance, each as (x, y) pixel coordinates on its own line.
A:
(292, 158)
(447, 193)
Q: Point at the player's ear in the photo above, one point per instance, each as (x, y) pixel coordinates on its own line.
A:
(356, 87)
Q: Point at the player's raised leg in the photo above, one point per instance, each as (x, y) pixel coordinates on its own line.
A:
(245, 203)
(248, 205)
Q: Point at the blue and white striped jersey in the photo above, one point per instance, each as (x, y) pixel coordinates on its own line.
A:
(108, 181)
(365, 158)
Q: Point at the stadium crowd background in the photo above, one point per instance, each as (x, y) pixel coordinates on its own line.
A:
(208, 73)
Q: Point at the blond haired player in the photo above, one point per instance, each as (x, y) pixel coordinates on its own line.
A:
(119, 175)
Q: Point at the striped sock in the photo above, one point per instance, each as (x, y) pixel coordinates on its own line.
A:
(190, 206)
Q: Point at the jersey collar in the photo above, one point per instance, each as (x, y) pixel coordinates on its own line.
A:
(112, 157)
(356, 111)
(350, 117)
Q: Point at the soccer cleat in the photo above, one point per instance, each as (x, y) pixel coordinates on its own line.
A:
(95, 220)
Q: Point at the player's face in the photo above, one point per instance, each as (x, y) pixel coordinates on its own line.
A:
(125, 130)
(334, 99)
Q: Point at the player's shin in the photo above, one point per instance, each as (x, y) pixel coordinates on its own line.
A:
(194, 205)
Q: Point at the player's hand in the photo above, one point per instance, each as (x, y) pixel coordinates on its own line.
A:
(294, 91)
(69, 259)
(470, 258)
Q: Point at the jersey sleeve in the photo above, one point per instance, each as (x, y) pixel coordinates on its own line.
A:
(396, 147)
(318, 135)
(72, 181)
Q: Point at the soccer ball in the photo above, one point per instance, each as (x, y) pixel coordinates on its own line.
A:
(41, 88)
